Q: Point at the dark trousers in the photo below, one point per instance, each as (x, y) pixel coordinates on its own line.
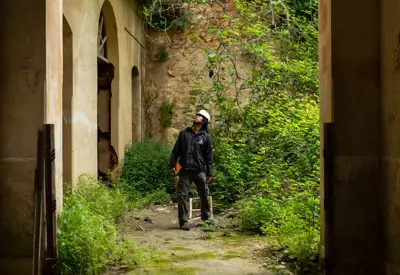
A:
(185, 180)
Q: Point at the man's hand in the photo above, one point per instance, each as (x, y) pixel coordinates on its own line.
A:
(209, 179)
(173, 170)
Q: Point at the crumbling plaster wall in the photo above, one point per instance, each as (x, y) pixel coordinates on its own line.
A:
(31, 94)
(173, 79)
(83, 17)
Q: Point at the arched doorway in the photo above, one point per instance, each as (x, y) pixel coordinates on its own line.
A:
(136, 104)
(67, 100)
(108, 97)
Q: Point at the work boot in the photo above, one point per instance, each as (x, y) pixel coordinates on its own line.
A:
(185, 227)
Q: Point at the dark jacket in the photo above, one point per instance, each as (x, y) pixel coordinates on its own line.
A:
(194, 151)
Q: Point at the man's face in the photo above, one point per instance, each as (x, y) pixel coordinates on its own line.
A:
(198, 119)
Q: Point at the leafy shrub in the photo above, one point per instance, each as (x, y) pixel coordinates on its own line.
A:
(100, 199)
(85, 240)
(298, 237)
(139, 201)
(254, 214)
(87, 236)
(157, 197)
(275, 150)
(275, 156)
(145, 168)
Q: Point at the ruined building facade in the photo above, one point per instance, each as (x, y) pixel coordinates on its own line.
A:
(78, 65)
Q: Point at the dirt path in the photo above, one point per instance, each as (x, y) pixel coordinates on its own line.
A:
(195, 251)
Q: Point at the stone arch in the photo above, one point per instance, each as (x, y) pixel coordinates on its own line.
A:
(67, 95)
(108, 90)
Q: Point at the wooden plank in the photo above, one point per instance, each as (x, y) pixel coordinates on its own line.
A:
(211, 207)
(328, 154)
(51, 232)
(38, 223)
(190, 208)
(100, 29)
(102, 58)
(102, 43)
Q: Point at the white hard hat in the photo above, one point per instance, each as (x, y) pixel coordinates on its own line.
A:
(204, 113)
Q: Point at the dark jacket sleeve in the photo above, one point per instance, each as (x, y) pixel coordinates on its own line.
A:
(209, 158)
(176, 152)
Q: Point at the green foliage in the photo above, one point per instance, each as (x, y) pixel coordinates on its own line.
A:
(276, 141)
(157, 197)
(167, 112)
(145, 170)
(266, 134)
(88, 241)
(278, 178)
(87, 236)
(165, 16)
(162, 56)
(266, 150)
(85, 240)
(270, 163)
(100, 199)
(296, 234)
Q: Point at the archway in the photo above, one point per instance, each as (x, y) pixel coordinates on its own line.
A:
(136, 103)
(108, 97)
(67, 100)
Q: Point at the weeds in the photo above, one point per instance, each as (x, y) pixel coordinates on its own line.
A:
(167, 113)
(87, 236)
(145, 170)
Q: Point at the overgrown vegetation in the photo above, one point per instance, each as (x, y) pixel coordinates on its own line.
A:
(265, 137)
(88, 240)
(87, 236)
(162, 55)
(167, 112)
(266, 134)
(145, 172)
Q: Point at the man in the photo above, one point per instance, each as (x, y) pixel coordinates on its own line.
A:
(194, 150)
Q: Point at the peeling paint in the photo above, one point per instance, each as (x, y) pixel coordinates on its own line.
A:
(79, 117)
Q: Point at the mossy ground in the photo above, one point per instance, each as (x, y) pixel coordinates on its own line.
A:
(200, 251)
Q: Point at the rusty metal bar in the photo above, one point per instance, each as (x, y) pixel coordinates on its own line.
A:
(329, 195)
(137, 40)
(51, 226)
(38, 222)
